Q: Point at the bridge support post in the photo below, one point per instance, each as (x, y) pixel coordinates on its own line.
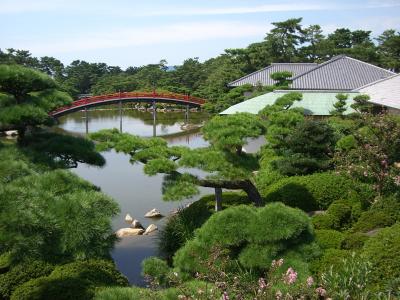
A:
(187, 114)
(120, 115)
(87, 120)
(154, 118)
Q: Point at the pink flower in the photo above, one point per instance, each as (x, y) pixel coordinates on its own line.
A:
(320, 291)
(261, 283)
(397, 180)
(280, 262)
(290, 276)
(310, 281)
(225, 296)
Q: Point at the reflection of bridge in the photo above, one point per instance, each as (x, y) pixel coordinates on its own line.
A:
(150, 97)
(125, 97)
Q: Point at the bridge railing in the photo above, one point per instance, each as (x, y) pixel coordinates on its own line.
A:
(130, 95)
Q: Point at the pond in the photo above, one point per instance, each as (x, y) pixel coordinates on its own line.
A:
(135, 192)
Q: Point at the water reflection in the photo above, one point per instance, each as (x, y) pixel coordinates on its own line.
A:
(135, 192)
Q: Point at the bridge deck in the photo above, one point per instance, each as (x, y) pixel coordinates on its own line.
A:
(128, 97)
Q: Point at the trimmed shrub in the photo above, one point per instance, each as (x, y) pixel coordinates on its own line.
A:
(251, 236)
(76, 280)
(316, 191)
(354, 241)
(331, 257)
(383, 251)
(341, 213)
(329, 239)
(20, 274)
(180, 227)
(373, 219)
(323, 221)
(157, 269)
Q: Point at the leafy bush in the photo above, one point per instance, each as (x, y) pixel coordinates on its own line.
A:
(157, 269)
(373, 219)
(323, 221)
(20, 274)
(328, 239)
(55, 216)
(382, 250)
(314, 192)
(341, 213)
(180, 227)
(76, 280)
(253, 237)
(354, 241)
(331, 257)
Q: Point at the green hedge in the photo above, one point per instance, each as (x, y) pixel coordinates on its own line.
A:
(76, 280)
(20, 274)
(354, 241)
(316, 191)
(329, 239)
(331, 257)
(180, 227)
(253, 237)
(382, 250)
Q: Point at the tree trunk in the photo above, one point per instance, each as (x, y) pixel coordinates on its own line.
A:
(218, 199)
(245, 185)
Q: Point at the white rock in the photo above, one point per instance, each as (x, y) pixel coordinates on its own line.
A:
(137, 224)
(154, 213)
(128, 218)
(150, 229)
(124, 232)
(11, 132)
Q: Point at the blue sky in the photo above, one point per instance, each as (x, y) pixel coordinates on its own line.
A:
(134, 33)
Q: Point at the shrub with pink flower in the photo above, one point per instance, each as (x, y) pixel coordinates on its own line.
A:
(290, 276)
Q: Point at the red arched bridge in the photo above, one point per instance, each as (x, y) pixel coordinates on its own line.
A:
(151, 97)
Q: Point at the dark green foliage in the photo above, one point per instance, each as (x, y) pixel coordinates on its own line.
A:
(340, 105)
(20, 274)
(27, 97)
(55, 216)
(361, 104)
(323, 221)
(382, 250)
(244, 233)
(62, 150)
(341, 211)
(157, 269)
(313, 192)
(354, 241)
(282, 78)
(306, 149)
(76, 280)
(329, 239)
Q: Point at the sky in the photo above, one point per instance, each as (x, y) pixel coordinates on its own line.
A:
(134, 33)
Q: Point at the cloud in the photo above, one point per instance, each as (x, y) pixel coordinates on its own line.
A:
(157, 8)
(156, 35)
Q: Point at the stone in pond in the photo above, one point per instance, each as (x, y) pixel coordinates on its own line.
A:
(128, 219)
(124, 232)
(137, 224)
(150, 229)
(154, 213)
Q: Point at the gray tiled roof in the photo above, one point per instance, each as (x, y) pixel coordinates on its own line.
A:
(339, 73)
(263, 76)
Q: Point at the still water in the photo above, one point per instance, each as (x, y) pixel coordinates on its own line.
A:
(135, 192)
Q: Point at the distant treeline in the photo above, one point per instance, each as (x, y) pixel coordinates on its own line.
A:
(288, 41)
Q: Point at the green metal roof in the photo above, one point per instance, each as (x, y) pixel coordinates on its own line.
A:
(318, 103)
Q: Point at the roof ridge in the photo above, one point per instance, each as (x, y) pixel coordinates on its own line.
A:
(245, 76)
(333, 59)
(299, 63)
(376, 82)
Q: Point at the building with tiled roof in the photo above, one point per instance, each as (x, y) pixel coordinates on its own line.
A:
(263, 76)
(341, 73)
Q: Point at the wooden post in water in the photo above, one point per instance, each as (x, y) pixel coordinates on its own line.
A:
(87, 120)
(187, 114)
(120, 115)
(218, 199)
(154, 118)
